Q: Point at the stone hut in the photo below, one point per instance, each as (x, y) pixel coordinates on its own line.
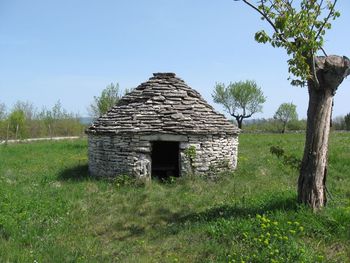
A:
(162, 128)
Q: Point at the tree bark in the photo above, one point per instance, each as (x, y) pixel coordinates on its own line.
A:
(331, 71)
(313, 172)
(239, 122)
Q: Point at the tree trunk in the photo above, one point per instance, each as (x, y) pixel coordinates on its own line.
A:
(16, 134)
(313, 172)
(284, 127)
(239, 122)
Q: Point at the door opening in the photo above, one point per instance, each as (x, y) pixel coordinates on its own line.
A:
(165, 159)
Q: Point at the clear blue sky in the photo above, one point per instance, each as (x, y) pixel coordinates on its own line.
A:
(70, 50)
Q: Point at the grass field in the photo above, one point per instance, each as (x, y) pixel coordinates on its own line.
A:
(51, 211)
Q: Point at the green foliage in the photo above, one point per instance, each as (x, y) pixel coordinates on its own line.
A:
(108, 98)
(191, 153)
(296, 125)
(287, 159)
(26, 107)
(17, 120)
(124, 180)
(272, 241)
(240, 99)
(274, 126)
(52, 211)
(347, 121)
(285, 113)
(26, 122)
(277, 150)
(299, 27)
(58, 122)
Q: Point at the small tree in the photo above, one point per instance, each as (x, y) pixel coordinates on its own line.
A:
(59, 122)
(299, 27)
(27, 107)
(347, 121)
(108, 98)
(285, 113)
(16, 121)
(240, 99)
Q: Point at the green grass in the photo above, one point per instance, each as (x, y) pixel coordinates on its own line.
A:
(51, 211)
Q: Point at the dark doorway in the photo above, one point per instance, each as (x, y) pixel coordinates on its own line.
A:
(165, 159)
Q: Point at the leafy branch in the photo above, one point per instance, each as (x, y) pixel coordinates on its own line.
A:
(300, 29)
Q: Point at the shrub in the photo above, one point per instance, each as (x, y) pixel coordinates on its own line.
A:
(287, 159)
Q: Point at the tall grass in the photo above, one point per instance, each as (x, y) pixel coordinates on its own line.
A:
(52, 211)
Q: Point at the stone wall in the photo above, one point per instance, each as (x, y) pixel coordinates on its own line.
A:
(110, 156)
(213, 152)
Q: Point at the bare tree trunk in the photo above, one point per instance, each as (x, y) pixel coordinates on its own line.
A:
(313, 172)
(239, 122)
(312, 180)
(16, 134)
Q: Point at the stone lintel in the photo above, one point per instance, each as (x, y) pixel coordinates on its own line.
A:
(164, 137)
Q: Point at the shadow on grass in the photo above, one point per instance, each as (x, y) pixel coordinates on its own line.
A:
(241, 210)
(75, 173)
(167, 222)
(134, 231)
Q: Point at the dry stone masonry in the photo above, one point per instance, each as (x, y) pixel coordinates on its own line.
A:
(149, 131)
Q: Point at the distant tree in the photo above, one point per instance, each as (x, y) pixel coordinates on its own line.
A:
(47, 118)
(27, 107)
(58, 112)
(2, 111)
(17, 120)
(285, 113)
(240, 99)
(58, 121)
(108, 98)
(347, 121)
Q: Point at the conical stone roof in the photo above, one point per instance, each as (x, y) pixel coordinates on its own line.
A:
(164, 104)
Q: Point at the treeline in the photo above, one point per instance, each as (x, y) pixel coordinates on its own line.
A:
(24, 120)
(340, 123)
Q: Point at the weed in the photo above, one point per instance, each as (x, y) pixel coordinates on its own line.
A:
(287, 159)
(125, 180)
(191, 154)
